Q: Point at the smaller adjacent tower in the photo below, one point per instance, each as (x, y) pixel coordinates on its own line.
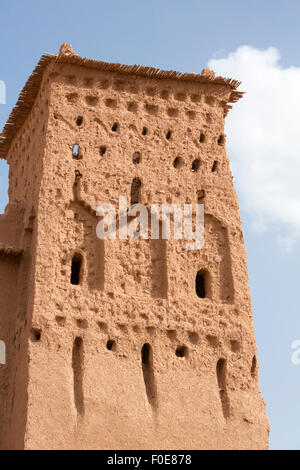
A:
(128, 344)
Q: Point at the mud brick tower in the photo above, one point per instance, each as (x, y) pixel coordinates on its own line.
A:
(128, 344)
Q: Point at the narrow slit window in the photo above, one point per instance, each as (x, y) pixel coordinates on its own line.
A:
(115, 127)
(254, 367)
(148, 373)
(76, 269)
(168, 135)
(77, 365)
(221, 371)
(135, 191)
(202, 138)
(76, 185)
(102, 150)
(201, 284)
(214, 167)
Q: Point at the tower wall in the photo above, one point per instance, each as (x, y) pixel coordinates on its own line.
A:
(132, 357)
(18, 243)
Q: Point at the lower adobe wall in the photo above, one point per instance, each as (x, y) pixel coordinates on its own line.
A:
(84, 393)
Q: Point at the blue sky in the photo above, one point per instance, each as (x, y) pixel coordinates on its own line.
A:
(186, 36)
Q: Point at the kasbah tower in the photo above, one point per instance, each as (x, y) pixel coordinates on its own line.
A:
(123, 344)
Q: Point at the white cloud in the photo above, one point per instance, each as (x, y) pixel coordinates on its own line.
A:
(263, 139)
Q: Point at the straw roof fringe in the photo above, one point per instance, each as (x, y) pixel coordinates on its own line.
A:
(30, 91)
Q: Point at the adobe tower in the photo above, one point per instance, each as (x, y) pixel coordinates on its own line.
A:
(127, 344)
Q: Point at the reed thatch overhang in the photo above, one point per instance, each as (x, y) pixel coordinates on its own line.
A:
(30, 91)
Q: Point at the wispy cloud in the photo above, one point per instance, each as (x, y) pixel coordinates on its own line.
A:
(264, 139)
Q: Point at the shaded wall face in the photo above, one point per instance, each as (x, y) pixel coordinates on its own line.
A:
(25, 155)
(17, 266)
(87, 347)
(8, 303)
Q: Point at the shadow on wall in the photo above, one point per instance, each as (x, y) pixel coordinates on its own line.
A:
(4, 169)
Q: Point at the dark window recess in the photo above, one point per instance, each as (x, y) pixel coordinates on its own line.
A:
(115, 127)
(168, 135)
(181, 351)
(79, 120)
(102, 150)
(200, 284)
(221, 140)
(254, 367)
(148, 373)
(215, 166)
(146, 354)
(178, 162)
(35, 335)
(221, 371)
(111, 345)
(135, 191)
(195, 165)
(76, 186)
(202, 138)
(76, 269)
(144, 131)
(77, 365)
